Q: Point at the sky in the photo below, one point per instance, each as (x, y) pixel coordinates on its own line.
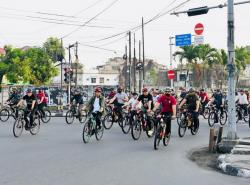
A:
(25, 23)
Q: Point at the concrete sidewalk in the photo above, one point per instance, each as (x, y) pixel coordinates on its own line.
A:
(237, 163)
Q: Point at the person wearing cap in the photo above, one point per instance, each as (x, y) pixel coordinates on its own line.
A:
(96, 106)
(168, 107)
(31, 108)
(146, 100)
(242, 101)
(192, 102)
(78, 98)
(119, 100)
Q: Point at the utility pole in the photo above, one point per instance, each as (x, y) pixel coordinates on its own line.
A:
(126, 67)
(69, 87)
(134, 66)
(143, 51)
(130, 61)
(232, 134)
(76, 63)
(140, 71)
(171, 58)
(61, 95)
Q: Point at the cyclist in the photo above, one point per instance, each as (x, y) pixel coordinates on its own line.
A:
(192, 102)
(168, 107)
(119, 100)
(147, 105)
(204, 99)
(218, 100)
(111, 94)
(42, 101)
(96, 106)
(132, 100)
(31, 108)
(78, 97)
(155, 95)
(14, 97)
(242, 101)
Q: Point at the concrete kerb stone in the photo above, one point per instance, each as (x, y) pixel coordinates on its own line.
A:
(230, 168)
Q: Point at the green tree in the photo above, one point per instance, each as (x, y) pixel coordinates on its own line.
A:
(54, 49)
(41, 65)
(189, 54)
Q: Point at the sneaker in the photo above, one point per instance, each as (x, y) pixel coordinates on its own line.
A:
(150, 132)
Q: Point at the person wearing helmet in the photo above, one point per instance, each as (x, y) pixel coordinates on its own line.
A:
(192, 102)
(204, 99)
(31, 108)
(168, 107)
(218, 100)
(96, 106)
(14, 97)
(78, 98)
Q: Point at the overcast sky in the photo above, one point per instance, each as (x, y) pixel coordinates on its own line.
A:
(19, 27)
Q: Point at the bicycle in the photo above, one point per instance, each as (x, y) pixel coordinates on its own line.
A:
(46, 117)
(74, 113)
(114, 116)
(188, 123)
(6, 112)
(141, 123)
(216, 116)
(128, 121)
(20, 123)
(161, 131)
(240, 115)
(91, 128)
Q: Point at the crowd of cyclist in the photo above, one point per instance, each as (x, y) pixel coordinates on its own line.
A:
(151, 102)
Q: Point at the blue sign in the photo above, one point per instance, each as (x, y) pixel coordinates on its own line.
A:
(183, 40)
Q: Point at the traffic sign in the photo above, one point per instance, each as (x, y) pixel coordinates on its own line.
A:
(198, 29)
(171, 74)
(199, 39)
(183, 40)
(139, 66)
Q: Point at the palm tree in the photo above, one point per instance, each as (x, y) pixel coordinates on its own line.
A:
(208, 56)
(189, 54)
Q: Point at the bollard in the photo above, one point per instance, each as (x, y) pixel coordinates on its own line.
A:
(211, 140)
(220, 135)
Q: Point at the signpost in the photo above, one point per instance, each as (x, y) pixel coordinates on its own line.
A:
(171, 74)
(198, 29)
(199, 40)
(183, 40)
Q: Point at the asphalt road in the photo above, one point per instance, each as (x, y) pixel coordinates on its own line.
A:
(58, 156)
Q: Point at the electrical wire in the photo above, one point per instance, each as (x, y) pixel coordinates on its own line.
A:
(87, 8)
(97, 15)
(97, 47)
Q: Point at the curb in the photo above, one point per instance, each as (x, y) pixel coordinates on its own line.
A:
(230, 169)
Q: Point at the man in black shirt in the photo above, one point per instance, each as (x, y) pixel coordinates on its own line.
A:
(78, 97)
(30, 110)
(14, 97)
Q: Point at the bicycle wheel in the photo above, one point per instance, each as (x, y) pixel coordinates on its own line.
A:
(157, 138)
(70, 117)
(136, 129)
(36, 126)
(126, 126)
(182, 128)
(194, 130)
(86, 133)
(18, 127)
(99, 132)
(108, 121)
(47, 116)
(166, 138)
(206, 113)
(179, 117)
(4, 115)
(246, 118)
(83, 117)
(211, 119)
(223, 118)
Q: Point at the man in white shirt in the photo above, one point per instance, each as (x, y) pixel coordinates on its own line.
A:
(242, 101)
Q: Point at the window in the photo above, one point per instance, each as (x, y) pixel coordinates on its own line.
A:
(93, 80)
(107, 79)
(101, 80)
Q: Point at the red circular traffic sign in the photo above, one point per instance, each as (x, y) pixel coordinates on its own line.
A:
(198, 29)
(171, 74)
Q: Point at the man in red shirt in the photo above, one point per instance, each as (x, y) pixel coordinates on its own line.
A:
(168, 107)
(42, 101)
(204, 99)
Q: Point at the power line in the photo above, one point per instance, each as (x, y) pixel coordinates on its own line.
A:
(101, 12)
(97, 47)
(87, 8)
